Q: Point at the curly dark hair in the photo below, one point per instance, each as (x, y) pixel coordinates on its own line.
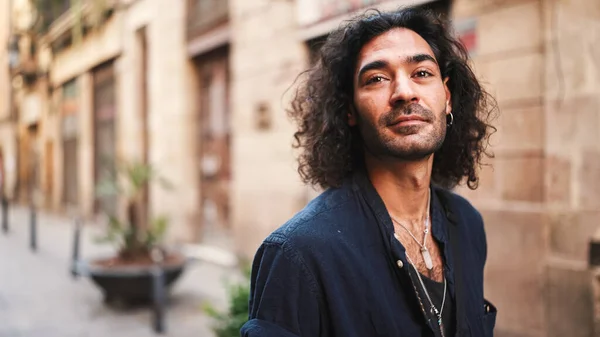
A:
(331, 149)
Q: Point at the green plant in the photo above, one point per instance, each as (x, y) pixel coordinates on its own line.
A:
(229, 322)
(133, 238)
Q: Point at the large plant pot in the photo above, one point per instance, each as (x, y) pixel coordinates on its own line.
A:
(131, 284)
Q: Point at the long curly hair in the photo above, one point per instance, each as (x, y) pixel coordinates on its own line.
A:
(331, 149)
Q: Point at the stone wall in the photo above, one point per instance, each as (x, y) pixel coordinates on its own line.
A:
(7, 131)
(4, 74)
(572, 140)
(509, 59)
(539, 198)
(266, 56)
(171, 122)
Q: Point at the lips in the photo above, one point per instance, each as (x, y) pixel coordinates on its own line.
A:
(407, 119)
(407, 115)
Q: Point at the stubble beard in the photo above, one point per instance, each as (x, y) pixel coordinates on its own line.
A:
(398, 145)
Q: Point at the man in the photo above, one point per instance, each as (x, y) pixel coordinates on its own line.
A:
(389, 119)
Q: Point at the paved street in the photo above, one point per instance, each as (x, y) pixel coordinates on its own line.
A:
(39, 298)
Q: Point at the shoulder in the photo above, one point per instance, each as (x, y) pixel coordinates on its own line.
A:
(305, 241)
(319, 231)
(316, 218)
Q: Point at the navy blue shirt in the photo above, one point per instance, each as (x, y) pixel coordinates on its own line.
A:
(336, 269)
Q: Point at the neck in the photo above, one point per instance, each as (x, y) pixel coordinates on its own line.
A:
(403, 185)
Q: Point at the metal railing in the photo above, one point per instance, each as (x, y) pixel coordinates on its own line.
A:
(50, 10)
(204, 15)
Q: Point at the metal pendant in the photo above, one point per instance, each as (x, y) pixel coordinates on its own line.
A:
(427, 258)
(440, 322)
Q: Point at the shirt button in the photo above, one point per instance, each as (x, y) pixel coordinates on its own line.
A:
(400, 263)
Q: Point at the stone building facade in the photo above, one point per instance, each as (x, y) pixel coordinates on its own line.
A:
(11, 21)
(198, 88)
(540, 197)
(6, 125)
(119, 92)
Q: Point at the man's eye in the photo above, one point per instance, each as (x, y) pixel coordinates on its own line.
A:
(423, 73)
(375, 79)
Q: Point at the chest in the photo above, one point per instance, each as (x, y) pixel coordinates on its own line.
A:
(422, 251)
(370, 293)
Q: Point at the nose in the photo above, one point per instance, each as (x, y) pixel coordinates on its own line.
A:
(403, 93)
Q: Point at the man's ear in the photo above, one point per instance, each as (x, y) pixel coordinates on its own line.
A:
(352, 116)
(448, 96)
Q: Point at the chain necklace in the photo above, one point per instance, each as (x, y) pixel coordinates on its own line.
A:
(434, 310)
(424, 251)
(428, 264)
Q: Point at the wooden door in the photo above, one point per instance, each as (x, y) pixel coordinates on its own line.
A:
(214, 142)
(104, 134)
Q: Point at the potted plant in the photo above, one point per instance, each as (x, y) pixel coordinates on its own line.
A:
(127, 276)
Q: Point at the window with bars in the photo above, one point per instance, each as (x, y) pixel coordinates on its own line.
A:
(205, 14)
(50, 10)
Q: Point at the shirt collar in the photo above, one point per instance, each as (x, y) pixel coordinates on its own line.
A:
(361, 183)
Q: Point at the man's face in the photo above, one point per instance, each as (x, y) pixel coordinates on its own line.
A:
(400, 97)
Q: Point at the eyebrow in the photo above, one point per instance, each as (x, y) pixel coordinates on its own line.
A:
(418, 58)
(380, 64)
(375, 65)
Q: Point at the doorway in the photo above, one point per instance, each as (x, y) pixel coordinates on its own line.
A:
(104, 135)
(214, 142)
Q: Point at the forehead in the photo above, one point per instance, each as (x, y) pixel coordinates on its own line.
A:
(396, 42)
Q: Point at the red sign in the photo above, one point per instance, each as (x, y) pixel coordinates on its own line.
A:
(467, 34)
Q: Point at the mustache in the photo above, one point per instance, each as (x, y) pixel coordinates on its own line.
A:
(411, 109)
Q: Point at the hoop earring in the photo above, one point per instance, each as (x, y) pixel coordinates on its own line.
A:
(451, 121)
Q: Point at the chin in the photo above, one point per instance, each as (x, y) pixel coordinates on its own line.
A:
(413, 150)
(413, 155)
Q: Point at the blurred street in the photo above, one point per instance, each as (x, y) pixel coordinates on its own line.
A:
(39, 298)
(188, 102)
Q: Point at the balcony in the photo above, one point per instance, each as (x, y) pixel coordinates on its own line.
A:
(59, 17)
(22, 62)
(50, 11)
(204, 15)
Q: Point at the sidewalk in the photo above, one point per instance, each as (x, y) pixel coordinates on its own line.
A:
(39, 298)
